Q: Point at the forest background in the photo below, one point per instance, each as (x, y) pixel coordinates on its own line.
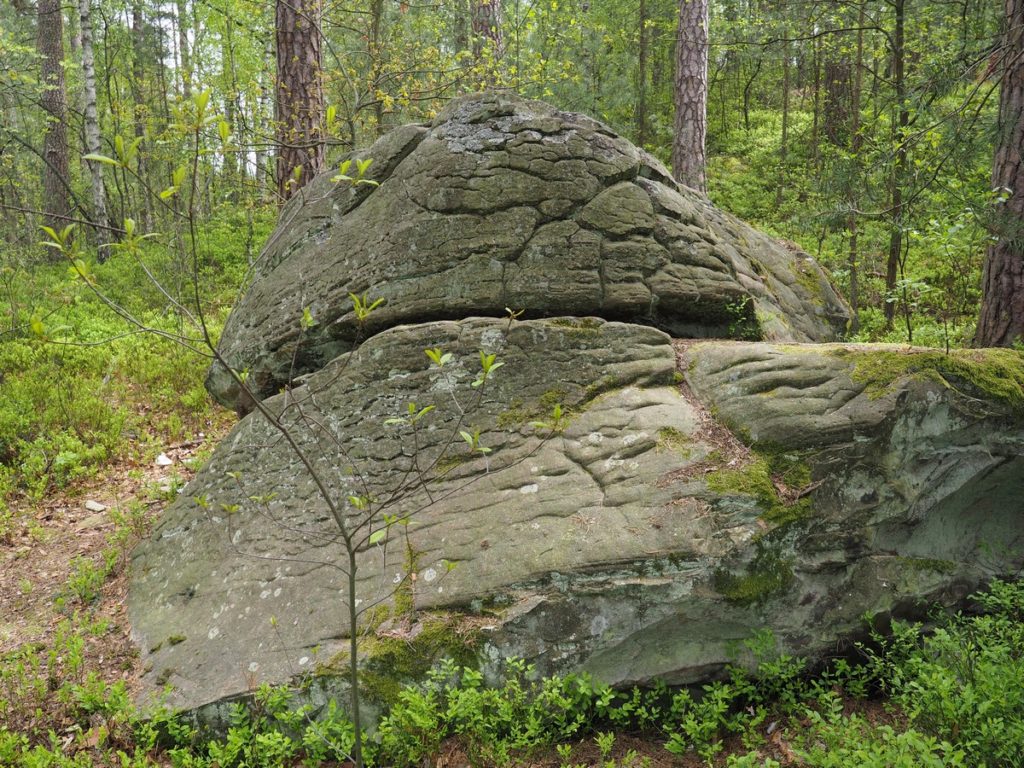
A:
(864, 132)
(167, 134)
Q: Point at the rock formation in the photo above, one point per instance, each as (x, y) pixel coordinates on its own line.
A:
(643, 502)
(502, 203)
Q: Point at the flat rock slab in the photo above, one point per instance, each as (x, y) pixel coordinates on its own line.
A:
(506, 203)
(640, 540)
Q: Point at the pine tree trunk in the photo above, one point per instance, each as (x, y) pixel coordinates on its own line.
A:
(898, 176)
(1001, 322)
(784, 137)
(486, 22)
(856, 141)
(92, 122)
(641, 81)
(56, 168)
(691, 92)
(183, 50)
(300, 97)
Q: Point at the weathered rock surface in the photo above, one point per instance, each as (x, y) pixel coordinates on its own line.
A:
(640, 542)
(502, 202)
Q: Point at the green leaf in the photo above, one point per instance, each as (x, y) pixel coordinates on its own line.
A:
(100, 159)
(437, 356)
(423, 412)
(308, 321)
(378, 536)
(201, 100)
(225, 131)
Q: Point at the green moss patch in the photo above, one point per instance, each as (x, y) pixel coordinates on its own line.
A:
(393, 661)
(769, 470)
(519, 414)
(579, 326)
(672, 440)
(996, 375)
(769, 573)
(931, 564)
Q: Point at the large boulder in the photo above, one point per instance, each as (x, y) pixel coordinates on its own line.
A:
(506, 203)
(636, 537)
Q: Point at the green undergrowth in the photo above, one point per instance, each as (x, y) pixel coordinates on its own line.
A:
(79, 383)
(952, 697)
(994, 374)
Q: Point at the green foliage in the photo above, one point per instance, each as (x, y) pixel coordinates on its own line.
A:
(959, 690)
(965, 683)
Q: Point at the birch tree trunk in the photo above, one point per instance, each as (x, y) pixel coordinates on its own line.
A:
(183, 49)
(92, 121)
(691, 93)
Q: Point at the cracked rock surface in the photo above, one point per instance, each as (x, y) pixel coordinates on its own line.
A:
(640, 541)
(621, 496)
(502, 202)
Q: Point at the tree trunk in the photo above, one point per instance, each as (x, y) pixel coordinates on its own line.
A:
(1001, 322)
(784, 138)
(691, 93)
(138, 96)
(838, 99)
(376, 51)
(300, 97)
(264, 177)
(56, 163)
(899, 141)
(487, 31)
(856, 141)
(92, 122)
(641, 81)
(183, 50)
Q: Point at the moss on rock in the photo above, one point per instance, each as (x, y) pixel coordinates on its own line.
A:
(769, 573)
(995, 374)
(769, 468)
(393, 661)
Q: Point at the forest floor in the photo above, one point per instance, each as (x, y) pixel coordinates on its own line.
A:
(65, 562)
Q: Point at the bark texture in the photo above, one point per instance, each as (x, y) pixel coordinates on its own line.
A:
(1002, 304)
(92, 122)
(487, 28)
(183, 49)
(300, 96)
(50, 44)
(691, 93)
